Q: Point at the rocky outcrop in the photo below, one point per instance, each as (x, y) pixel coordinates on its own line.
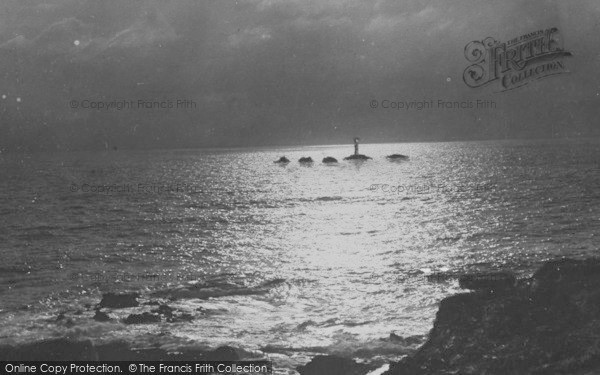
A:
(100, 316)
(549, 324)
(63, 349)
(490, 282)
(119, 301)
(397, 157)
(224, 353)
(357, 157)
(162, 312)
(333, 365)
(144, 318)
(172, 315)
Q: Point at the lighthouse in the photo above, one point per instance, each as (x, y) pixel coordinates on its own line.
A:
(356, 155)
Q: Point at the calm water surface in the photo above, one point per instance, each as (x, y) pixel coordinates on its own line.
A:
(286, 260)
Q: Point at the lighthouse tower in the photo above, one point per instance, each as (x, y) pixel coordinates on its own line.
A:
(356, 155)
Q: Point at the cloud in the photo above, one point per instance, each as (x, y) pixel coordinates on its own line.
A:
(17, 42)
(58, 38)
(72, 36)
(151, 29)
(267, 70)
(250, 36)
(444, 24)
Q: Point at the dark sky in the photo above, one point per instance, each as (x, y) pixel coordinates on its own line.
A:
(279, 72)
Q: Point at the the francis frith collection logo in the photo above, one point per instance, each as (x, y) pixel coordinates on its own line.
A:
(517, 62)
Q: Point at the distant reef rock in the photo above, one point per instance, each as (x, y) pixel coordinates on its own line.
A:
(329, 159)
(305, 160)
(548, 324)
(282, 160)
(357, 157)
(397, 157)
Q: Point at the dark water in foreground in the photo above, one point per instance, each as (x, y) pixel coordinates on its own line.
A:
(287, 260)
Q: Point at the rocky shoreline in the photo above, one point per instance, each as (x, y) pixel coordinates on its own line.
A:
(63, 349)
(546, 324)
(113, 308)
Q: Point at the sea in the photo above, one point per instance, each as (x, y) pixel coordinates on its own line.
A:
(284, 261)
